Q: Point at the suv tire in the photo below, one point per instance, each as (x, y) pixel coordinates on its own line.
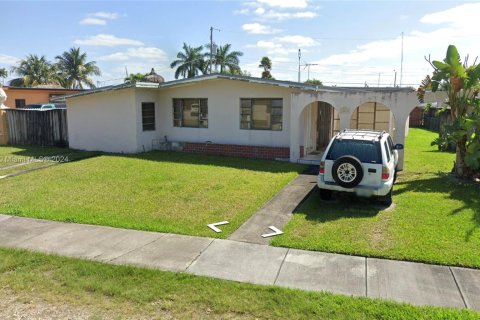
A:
(386, 200)
(347, 171)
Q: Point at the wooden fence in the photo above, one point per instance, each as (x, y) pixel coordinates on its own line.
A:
(38, 127)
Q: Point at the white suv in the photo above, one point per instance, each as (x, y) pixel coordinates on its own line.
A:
(359, 161)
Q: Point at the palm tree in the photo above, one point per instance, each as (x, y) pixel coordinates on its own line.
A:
(227, 61)
(74, 70)
(3, 74)
(33, 71)
(189, 62)
(266, 64)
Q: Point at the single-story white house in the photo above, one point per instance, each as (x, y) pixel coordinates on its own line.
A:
(231, 115)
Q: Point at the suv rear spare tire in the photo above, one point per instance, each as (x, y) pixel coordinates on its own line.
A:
(347, 171)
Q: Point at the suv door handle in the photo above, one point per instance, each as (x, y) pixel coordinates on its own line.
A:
(372, 170)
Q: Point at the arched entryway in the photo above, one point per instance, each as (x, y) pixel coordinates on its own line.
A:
(373, 116)
(320, 123)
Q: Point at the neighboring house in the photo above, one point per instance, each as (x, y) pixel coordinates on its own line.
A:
(19, 97)
(231, 115)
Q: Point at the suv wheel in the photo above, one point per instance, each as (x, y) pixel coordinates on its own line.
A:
(347, 171)
(386, 200)
(325, 194)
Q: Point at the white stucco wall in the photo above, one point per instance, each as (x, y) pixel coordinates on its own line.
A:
(103, 122)
(223, 113)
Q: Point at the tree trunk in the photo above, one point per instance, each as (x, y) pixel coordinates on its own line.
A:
(461, 169)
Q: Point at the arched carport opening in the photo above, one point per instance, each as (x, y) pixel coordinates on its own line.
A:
(373, 116)
(320, 122)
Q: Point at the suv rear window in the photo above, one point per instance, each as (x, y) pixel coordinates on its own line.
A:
(365, 151)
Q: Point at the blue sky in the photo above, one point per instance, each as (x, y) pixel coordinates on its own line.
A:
(347, 42)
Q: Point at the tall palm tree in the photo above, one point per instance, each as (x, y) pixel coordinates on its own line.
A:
(226, 60)
(189, 62)
(74, 70)
(266, 64)
(33, 71)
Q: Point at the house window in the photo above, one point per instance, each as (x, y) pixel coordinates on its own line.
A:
(192, 113)
(148, 116)
(19, 103)
(261, 114)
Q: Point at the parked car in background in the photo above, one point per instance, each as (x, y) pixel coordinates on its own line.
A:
(363, 162)
(45, 106)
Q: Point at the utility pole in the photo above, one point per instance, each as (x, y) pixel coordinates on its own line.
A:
(401, 64)
(378, 85)
(211, 47)
(395, 79)
(299, 57)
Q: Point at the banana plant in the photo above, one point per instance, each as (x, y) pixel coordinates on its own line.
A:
(462, 84)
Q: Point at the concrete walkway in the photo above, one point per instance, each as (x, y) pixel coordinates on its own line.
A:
(415, 283)
(277, 212)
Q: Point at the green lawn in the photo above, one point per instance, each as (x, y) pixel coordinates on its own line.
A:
(436, 218)
(120, 292)
(156, 191)
(17, 159)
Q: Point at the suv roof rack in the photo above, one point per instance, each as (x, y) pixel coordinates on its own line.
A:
(363, 133)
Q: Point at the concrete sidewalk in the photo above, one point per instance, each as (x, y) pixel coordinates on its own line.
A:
(414, 283)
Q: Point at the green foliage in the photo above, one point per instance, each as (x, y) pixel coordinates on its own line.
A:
(190, 62)
(134, 77)
(314, 82)
(74, 71)
(266, 64)
(193, 61)
(3, 73)
(462, 84)
(34, 71)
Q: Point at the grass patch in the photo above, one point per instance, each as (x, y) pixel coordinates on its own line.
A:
(436, 219)
(156, 191)
(126, 292)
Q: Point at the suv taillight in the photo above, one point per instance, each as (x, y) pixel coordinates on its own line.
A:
(385, 173)
(322, 167)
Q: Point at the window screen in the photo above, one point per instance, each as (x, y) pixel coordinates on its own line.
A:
(148, 116)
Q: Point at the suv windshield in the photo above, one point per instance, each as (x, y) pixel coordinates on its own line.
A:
(365, 151)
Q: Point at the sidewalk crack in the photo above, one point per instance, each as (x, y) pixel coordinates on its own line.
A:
(281, 266)
(458, 287)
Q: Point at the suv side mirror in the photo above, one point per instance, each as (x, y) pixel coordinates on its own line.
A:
(398, 146)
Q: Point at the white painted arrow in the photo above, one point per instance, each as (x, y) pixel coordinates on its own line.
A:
(275, 232)
(213, 226)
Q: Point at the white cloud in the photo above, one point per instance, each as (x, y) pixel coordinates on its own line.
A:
(279, 9)
(6, 59)
(93, 21)
(268, 44)
(285, 3)
(257, 28)
(105, 15)
(151, 54)
(99, 18)
(369, 61)
(297, 40)
(107, 40)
